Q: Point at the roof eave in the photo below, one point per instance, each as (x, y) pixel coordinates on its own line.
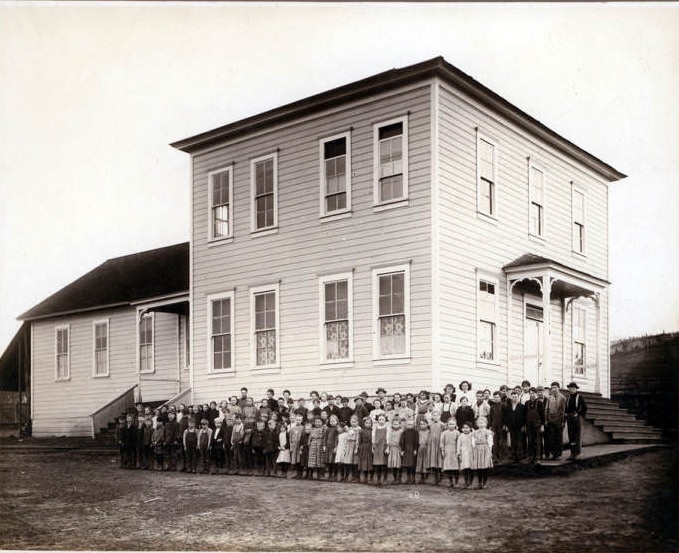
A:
(436, 67)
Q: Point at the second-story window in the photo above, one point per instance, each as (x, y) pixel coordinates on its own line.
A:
(487, 193)
(391, 161)
(578, 209)
(536, 191)
(221, 205)
(335, 174)
(264, 192)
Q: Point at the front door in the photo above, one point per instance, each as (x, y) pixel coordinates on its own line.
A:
(532, 344)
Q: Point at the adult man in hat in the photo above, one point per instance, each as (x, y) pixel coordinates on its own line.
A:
(575, 408)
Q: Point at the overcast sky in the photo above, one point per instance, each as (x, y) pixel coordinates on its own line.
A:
(91, 95)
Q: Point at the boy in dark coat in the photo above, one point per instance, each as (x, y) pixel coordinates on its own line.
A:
(271, 443)
(515, 420)
(496, 422)
(171, 441)
(218, 446)
(345, 412)
(409, 443)
(575, 409)
(535, 424)
(130, 441)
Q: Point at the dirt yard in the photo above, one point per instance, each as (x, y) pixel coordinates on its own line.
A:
(74, 500)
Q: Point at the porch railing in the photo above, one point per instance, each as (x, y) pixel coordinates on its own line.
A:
(102, 416)
(179, 396)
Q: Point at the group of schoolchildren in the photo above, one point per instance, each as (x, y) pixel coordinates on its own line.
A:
(427, 435)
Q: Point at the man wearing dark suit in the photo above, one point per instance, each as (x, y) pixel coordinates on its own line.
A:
(515, 420)
(575, 408)
(555, 409)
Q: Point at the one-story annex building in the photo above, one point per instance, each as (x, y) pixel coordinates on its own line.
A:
(407, 230)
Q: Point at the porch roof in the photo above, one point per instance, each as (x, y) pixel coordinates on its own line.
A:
(121, 281)
(531, 262)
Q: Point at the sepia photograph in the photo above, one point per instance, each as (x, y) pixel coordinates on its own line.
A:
(326, 276)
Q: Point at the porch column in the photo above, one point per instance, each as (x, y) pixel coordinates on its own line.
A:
(510, 287)
(547, 333)
(597, 348)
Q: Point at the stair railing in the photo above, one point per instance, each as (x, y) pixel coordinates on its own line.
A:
(104, 414)
(177, 397)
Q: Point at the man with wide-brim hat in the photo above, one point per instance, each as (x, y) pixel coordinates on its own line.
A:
(575, 409)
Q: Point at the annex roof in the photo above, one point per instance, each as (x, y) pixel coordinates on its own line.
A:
(531, 260)
(121, 281)
(436, 67)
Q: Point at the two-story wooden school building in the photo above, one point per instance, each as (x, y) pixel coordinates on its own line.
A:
(406, 230)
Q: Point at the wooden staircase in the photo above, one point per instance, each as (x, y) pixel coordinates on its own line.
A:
(620, 425)
(107, 435)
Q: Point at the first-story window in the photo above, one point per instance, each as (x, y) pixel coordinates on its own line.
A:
(487, 318)
(392, 302)
(265, 326)
(336, 318)
(62, 346)
(101, 348)
(579, 341)
(146, 343)
(221, 332)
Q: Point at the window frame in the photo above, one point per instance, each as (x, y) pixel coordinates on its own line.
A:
(211, 227)
(543, 211)
(187, 341)
(575, 189)
(322, 281)
(495, 328)
(378, 204)
(96, 323)
(149, 315)
(211, 298)
(376, 273)
(253, 194)
(255, 291)
(493, 215)
(580, 341)
(57, 329)
(324, 214)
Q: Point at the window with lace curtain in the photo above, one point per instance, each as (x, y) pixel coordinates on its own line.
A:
(336, 318)
(265, 326)
(392, 309)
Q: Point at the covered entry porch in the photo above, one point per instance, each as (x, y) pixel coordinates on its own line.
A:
(555, 324)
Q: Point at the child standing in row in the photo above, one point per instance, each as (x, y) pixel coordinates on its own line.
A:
(380, 448)
(365, 449)
(409, 445)
(434, 450)
(451, 465)
(423, 450)
(190, 441)
(465, 451)
(393, 451)
(483, 457)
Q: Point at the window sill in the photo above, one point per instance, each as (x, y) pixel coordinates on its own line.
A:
(263, 232)
(327, 365)
(62, 379)
(148, 372)
(537, 239)
(328, 217)
(265, 370)
(383, 361)
(223, 374)
(101, 375)
(486, 363)
(219, 241)
(579, 254)
(393, 204)
(492, 219)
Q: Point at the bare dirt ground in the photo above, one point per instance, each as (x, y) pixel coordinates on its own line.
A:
(73, 500)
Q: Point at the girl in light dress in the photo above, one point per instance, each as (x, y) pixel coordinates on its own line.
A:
(421, 406)
(283, 459)
(377, 410)
(434, 451)
(422, 450)
(295, 434)
(379, 448)
(482, 455)
(451, 464)
(394, 451)
(465, 453)
(436, 406)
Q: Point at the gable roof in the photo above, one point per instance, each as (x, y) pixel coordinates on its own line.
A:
(388, 80)
(121, 281)
(529, 260)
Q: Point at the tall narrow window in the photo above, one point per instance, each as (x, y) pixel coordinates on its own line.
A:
(146, 343)
(221, 208)
(335, 174)
(221, 332)
(579, 341)
(391, 161)
(536, 184)
(336, 315)
(392, 308)
(487, 195)
(578, 221)
(62, 362)
(265, 326)
(487, 320)
(101, 348)
(265, 191)
(187, 341)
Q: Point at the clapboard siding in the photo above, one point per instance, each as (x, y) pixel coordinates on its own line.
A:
(162, 383)
(468, 242)
(305, 248)
(63, 407)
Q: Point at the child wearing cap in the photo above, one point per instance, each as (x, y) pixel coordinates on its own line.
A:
(158, 444)
(170, 439)
(204, 444)
(271, 443)
(257, 444)
(409, 444)
(237, 437)
(190, 441)
(217, 447)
